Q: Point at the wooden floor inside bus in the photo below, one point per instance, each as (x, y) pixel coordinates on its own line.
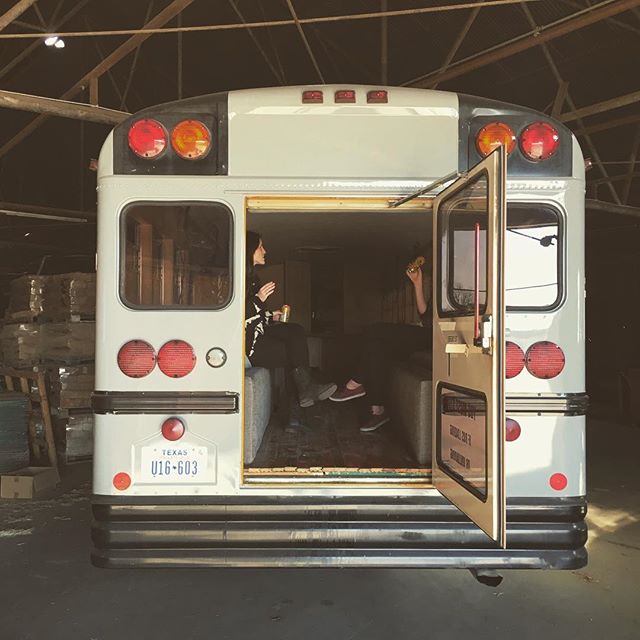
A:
(331, 443)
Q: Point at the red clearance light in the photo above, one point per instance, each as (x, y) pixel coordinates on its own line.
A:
(345, 95)
(191, 140)
(539, 141)
(494, 135)
(515, 360)
(176, 359)
(147, 138)
(312, 97)
(512, 430)
(545, 360)
(558, 481)
(136, 359)
(377, 96)
(173, 429)
(122, 481)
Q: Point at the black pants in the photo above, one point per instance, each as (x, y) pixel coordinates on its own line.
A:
(385, 343)
(283, 344)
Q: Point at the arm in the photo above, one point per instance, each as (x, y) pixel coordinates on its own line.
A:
(418, 290)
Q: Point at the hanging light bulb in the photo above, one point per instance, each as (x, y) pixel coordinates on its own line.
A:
(51, 41)
(59, 44)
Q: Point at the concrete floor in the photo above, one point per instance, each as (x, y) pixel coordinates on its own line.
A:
(49, 590)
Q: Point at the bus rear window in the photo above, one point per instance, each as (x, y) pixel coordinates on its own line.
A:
(532, 258)
(175, 255)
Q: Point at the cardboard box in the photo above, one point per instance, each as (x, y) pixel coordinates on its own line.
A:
(28, 482)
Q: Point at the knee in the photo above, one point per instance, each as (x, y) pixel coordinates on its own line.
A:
(295, 329)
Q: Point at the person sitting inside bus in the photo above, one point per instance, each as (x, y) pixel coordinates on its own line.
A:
(383, 344)
(270, 343)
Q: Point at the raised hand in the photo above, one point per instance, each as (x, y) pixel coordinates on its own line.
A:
(266, 290)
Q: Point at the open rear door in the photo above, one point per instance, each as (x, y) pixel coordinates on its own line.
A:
(468, 344)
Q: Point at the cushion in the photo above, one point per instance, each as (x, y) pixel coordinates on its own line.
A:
(257, 409)
(411, 407)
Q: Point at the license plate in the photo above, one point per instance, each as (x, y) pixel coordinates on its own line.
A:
(174, 464)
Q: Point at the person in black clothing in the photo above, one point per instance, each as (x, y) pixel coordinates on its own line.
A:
(270, 343)
(384, 343)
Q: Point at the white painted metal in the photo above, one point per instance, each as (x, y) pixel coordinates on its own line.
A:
(558, 440)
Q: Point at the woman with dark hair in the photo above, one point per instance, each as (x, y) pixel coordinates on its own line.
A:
(270, 343)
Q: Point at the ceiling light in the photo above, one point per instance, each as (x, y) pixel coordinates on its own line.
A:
(51, 40)
(59, 44)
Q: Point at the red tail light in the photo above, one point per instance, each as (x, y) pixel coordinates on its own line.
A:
(312, 97)
(191, 140)
(539, 141)
(176, 359)
(377, 96)
(515, 360)
(147, 138)
(494, 135)
(558, 481)
(545, 360)
(122, 481)
(173, 429)
(345, 95)
(512, 430)
(136, 359)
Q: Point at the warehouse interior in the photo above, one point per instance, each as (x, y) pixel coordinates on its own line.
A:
(70, 70)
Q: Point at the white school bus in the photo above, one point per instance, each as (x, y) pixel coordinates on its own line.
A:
(191, 467)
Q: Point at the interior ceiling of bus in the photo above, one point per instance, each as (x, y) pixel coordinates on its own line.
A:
(375, 236)
(490, 51)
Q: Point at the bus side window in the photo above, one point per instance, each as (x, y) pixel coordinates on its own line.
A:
(176, 255)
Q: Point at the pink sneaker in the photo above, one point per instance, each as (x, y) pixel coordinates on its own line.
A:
(344, 394)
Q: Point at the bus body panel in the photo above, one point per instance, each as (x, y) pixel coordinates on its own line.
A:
(279, 146)
(342, 141)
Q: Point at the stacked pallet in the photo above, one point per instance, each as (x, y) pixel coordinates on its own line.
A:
(14, 426)
(49, 326)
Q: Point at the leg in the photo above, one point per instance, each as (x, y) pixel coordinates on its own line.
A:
(383, 344)
(293, 336)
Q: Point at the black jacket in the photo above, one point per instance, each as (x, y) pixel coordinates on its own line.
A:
(256, 316)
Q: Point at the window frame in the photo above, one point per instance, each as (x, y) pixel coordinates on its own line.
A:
(122, 254)
(553, 208)
(478, 493)
(444, 227)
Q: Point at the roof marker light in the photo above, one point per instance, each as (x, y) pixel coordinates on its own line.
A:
(312, 96)
(345, 95)
(377, 96)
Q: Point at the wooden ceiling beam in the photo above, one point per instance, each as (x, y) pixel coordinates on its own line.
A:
(17, 10)
(62, 108)
(167, 14)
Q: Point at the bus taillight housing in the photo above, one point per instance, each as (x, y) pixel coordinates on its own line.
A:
(539, 141)
(176, 359)
(545, 360)
(494, 135)
(191, 139)
(136, 359)
(147, 138)
(514, 360)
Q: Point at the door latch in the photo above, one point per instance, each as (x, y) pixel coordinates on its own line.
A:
(486, 333)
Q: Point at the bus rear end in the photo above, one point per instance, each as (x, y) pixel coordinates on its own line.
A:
(179, 185)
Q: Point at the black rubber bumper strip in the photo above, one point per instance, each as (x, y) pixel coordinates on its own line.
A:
(161, 402)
